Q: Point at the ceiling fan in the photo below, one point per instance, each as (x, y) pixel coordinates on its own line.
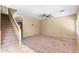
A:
(46, 16)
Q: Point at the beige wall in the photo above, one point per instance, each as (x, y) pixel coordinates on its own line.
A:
(3, 9)
(0, 30)
(60, 26)
(77, 28)
(30, 27)
(0, 9)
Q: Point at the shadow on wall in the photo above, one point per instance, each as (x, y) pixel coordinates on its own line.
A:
(30, 27)
(61, 26)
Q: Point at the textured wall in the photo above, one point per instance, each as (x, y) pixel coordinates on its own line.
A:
(30, 27)
(60, 26)
(0, 30)
(77, 28)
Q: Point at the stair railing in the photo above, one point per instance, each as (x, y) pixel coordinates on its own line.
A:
(15, 25)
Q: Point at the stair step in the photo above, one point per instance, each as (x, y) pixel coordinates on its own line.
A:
(8, 36)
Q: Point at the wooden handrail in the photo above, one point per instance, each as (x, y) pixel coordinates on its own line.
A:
(15, 25)
(10, 14)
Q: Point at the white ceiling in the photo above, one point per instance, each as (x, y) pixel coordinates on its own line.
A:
(34, 11)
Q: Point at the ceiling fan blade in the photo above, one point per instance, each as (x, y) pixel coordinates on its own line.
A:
(42, 16)
(45, 16)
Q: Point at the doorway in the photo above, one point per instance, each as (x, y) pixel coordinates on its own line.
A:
(21, 27)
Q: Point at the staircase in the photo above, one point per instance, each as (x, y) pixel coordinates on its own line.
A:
(8, 36)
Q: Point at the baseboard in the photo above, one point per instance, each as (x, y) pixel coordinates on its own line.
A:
(30, 36)
(60, 36)
(68, 37)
